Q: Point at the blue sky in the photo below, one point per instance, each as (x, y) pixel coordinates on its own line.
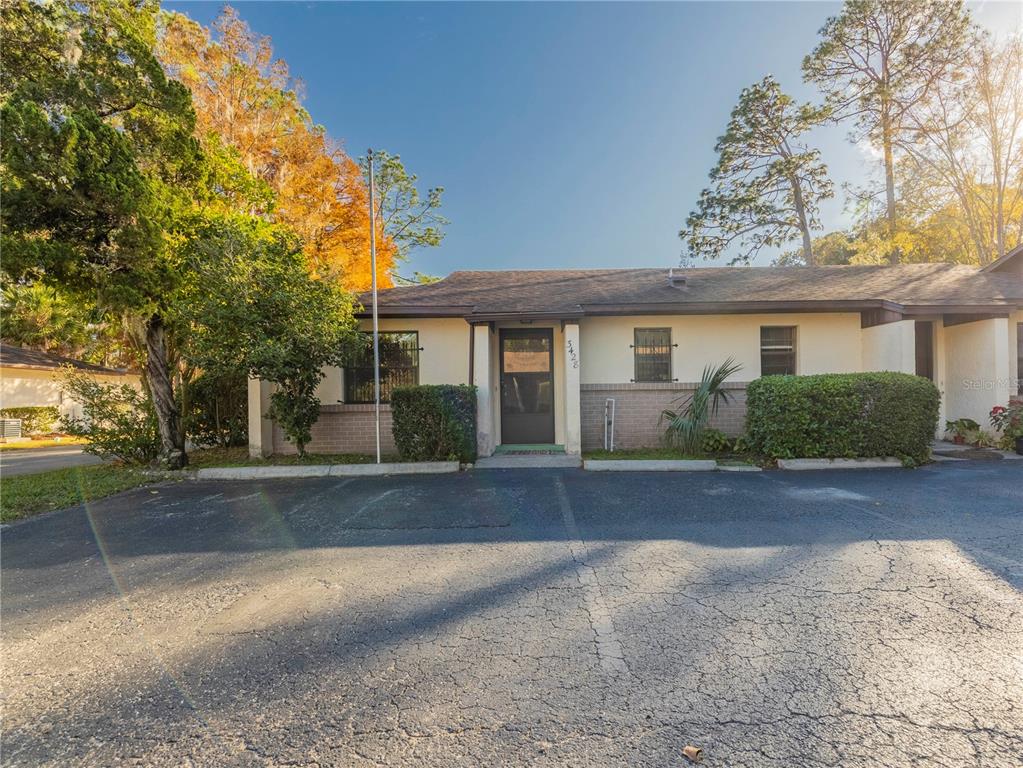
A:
(567, 135)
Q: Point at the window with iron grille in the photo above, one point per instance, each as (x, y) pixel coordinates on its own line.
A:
(777, 350)
(652, 353)
(399, 366)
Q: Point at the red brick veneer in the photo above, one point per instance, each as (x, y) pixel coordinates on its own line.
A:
(344, 429)
(638, 410)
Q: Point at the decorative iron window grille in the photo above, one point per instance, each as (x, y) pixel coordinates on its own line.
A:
(652, 354)
(777, 350)
(399, 365)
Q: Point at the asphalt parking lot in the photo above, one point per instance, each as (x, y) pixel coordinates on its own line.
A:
(524, 617)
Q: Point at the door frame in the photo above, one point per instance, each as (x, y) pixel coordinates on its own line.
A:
(526, 333)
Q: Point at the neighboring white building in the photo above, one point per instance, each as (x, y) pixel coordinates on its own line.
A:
(547, 349)
(30, 377)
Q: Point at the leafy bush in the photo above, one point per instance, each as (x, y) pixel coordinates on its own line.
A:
(842, 415)
(295, 407)
(35, 419)
(687, 426)
(215, 409)
(716, 441)
(254, 307)
(435, 422)
(1008, 421)
(961, 428)
(118, 420)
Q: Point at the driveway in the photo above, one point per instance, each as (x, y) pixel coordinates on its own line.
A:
(518, 617)
(28, 461)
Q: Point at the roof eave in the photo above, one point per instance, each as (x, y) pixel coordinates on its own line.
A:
(397, 310)
(737, 307)
(693, 308)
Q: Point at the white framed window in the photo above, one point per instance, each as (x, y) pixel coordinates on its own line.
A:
(777, 350)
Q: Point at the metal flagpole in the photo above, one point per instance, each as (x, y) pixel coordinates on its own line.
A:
(376, 328)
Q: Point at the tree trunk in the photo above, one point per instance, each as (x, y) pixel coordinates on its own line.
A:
(804, 226)
(158, 374)
(808, 249)
(889, 179)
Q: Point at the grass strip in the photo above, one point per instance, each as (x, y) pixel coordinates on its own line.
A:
(25, 495)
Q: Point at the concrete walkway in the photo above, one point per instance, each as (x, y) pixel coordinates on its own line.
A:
(946, 450)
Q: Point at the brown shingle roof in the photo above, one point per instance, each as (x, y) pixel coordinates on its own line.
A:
(605, 291)
(20, 357)
(1011, 261)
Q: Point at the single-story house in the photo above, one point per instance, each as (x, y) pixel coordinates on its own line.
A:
(31, 377)
(548, 349)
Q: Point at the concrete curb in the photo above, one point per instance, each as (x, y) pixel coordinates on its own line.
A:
(805, 464)
(394, 468)
(325, 470)
(650, 465)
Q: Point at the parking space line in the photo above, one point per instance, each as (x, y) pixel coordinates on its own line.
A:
(609, 649)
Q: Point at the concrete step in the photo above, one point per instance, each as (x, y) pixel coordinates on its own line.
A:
(530, 461)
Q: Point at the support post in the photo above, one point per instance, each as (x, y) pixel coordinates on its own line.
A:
(481, 376)
(376, 321)
(573, 425)
(261, 434)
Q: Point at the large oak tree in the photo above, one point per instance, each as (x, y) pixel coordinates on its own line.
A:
(246, 100)
(98, 164)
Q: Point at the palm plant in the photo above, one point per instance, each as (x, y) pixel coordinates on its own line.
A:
(687, 425)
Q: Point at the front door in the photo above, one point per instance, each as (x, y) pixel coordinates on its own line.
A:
(527, 386)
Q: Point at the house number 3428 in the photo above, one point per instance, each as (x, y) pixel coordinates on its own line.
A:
(572, 356)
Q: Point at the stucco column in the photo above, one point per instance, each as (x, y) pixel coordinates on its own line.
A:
(573, 424)
(1004, 377)
(977, 368)
(484, 389)
(261, 436)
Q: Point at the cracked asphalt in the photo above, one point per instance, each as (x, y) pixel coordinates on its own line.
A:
(524, 617)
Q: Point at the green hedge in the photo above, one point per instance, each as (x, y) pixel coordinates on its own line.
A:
(35, 419)
(842, 415)
(435, 422)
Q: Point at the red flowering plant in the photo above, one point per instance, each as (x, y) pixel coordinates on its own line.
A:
(1008, 420)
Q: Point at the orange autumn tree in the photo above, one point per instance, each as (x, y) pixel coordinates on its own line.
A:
(246, 100)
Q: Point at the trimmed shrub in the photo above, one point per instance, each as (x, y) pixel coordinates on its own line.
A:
(118, 420)
(435, 422)
(35, 419)
(842, 415)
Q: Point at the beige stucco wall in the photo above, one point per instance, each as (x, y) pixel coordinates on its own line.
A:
(26, 387)
(940, 370)
(976, 368)
(1014, 320)
(975, 363)
(444, 358)
(890, 347)
(825, 343)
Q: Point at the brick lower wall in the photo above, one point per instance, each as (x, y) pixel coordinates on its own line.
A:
(344, 429)
(638, 410)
